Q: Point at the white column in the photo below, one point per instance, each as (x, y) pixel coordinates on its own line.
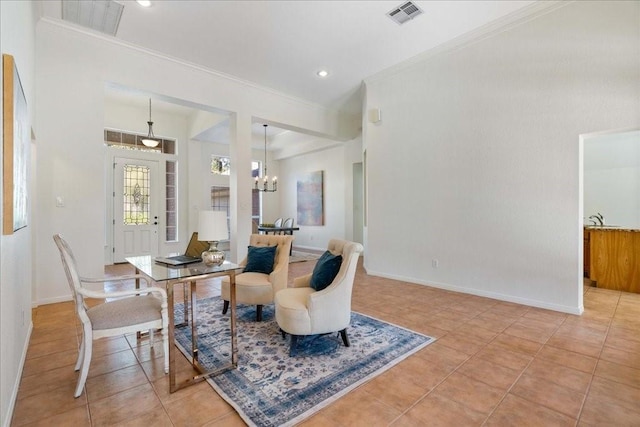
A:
(240, 184)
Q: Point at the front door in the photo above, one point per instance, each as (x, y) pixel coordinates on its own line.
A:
(135, 208)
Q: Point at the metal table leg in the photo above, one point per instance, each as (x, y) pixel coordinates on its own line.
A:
(202, 373)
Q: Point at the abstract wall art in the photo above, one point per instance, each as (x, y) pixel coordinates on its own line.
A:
(311, 199)
(16, 137)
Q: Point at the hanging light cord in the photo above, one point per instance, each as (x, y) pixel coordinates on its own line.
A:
(265, 150)
(150, 140)
(150, 123)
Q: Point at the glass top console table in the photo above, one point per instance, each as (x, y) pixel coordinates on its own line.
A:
(187, 276)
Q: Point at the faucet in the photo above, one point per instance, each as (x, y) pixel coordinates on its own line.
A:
(597, 217)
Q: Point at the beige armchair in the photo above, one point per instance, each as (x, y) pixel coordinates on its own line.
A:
(146, 312)
(301, 310)
(258, 288)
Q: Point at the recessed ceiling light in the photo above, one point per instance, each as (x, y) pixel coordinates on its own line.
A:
(322, 73)
(144, 3)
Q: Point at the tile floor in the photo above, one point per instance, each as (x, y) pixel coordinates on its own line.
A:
(494, 363)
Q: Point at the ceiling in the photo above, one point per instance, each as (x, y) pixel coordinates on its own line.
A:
(282, 44)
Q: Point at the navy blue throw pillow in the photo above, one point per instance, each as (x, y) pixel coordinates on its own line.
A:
(260, 259)
(325, 271)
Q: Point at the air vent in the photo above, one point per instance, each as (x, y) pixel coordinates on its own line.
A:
(99, 15)
(404, 13)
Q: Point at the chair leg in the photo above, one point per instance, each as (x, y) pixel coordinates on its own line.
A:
(294, 343)
(283, 333)
(345, 339)
(80, 354)
(225, 307)
(259, 313)
(86, 359)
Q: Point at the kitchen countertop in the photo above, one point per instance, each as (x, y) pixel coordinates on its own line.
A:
(610, 228)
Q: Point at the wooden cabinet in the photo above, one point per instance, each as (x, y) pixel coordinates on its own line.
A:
(614, 261)
(586, 254)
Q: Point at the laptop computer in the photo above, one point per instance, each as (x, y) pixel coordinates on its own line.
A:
(191, 255)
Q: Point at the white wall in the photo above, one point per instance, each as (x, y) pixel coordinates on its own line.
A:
(336, 163)
(17, 32)
(73, 68)
(612, 178)
(476, 160)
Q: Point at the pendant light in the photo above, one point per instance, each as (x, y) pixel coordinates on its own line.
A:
(265, 177)
(150, 140)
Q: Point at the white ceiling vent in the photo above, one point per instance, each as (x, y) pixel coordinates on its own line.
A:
(404, 13)
(99, 15)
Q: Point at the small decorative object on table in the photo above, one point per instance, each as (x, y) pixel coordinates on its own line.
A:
(212, 227)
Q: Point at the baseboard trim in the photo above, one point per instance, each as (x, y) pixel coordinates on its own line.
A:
(16, 386)
(53, 300)
(482, 293)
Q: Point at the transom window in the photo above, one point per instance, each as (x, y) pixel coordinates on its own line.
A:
(132, 141)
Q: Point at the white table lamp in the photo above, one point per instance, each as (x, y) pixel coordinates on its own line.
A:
(212, 227)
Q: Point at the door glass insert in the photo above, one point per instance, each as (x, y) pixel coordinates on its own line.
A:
(136, 194)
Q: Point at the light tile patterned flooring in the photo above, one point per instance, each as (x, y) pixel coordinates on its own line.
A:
(494, 363)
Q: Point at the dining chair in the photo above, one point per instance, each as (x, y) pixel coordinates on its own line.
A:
(277, 224)
(123, 312)
(288, 223)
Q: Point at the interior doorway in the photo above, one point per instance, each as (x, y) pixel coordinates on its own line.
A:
(609, 197)
(358, 202)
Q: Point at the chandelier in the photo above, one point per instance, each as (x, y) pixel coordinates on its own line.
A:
(265, 179)
(150, 140)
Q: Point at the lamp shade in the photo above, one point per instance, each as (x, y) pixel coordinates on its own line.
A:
(212, 226)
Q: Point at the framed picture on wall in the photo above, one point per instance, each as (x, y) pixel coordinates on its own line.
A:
(311, 199)
(15, 148)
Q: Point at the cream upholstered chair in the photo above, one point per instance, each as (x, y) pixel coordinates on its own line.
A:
(258, 289)
(301, 310)
(146, 311)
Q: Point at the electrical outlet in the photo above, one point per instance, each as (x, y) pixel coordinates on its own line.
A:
(434, 263)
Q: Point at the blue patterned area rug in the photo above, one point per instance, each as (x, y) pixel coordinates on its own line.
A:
(270, 388)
